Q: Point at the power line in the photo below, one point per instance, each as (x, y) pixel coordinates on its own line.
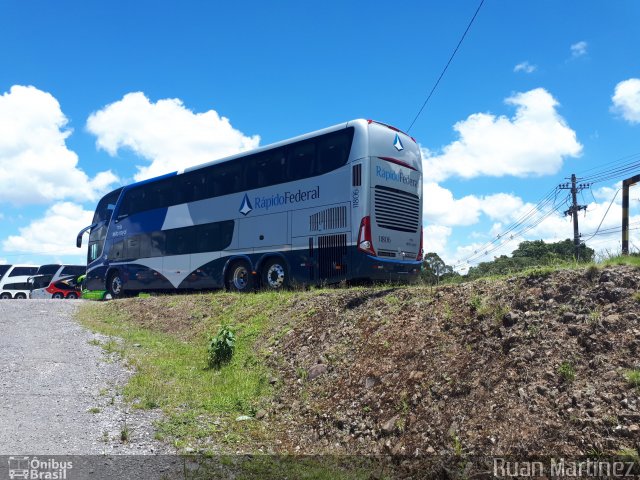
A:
(604, 216)
(447, 65)
(531, 219)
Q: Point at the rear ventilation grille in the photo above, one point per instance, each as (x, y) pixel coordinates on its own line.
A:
(332, 256)
(357, 175)
(397, 210)
(329, 219)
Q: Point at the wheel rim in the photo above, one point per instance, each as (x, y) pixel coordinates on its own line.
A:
(116, 285)
(240, 277)
(275, 276)
(20, 296)
(57, 296)
(4, 296)
(72, 296)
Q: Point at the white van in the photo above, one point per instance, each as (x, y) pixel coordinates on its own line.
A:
(15, 283)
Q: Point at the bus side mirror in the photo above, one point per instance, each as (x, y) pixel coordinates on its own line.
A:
(79, 237)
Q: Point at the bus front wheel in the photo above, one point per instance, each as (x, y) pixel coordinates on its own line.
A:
(20, 296)
(275, 275)
(5, 296)
(57, 296)
(114, 285)
(240, 278)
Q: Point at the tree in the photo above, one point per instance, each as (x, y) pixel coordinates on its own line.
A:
(434, 270)
(532, 254)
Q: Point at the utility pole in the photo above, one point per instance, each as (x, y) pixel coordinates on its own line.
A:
(625, 211)
(574, 209)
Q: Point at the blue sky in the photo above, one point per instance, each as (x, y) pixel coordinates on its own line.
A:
(96, 95)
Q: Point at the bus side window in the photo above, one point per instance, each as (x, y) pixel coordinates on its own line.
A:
(301, 160)
(133, 247)
(225, 179)
(145, 245)
(157, 245)
(116, 252)
(333, 152)
(179, 241)
(265, 169)
(190, 187)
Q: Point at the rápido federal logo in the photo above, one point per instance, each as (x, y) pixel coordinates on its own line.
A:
(34, 468)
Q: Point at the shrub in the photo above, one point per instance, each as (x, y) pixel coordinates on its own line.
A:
(633, 377)
(221, 347)
(567, 372)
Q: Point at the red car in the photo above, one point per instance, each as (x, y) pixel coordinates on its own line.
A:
(64, 289)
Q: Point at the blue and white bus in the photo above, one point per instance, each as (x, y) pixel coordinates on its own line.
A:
(342, 203)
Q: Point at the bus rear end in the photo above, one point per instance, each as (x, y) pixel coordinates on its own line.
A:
(389, 239)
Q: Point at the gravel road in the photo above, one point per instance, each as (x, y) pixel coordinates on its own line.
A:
(60, 392)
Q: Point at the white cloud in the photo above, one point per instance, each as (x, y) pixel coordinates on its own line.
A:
(441, 208)
(578, 49)
(626, 100)
(165, 133)
(54, 233)
(36, 165)
(532, 143)
(435, 238)
(525, 67)
(554, 228)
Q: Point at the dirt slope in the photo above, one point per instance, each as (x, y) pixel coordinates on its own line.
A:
(528, 365)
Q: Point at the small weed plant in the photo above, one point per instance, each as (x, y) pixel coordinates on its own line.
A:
(567, 372)
(633, 377)
(221, 347)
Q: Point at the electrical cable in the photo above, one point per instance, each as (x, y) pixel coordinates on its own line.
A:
(446, 66)
(604, 216)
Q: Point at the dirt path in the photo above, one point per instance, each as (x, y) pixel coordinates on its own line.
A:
(59, 391)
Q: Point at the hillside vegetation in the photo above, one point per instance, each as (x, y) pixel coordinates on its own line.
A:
(541, 363)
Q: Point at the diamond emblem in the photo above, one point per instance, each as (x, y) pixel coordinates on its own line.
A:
(398, 143)
(245, 207)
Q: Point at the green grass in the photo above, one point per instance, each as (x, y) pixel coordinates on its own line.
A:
(172, 373)
(633, 377)
(633, 260)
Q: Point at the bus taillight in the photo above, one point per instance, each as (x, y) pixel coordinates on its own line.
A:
(364, 236)
(421, 251)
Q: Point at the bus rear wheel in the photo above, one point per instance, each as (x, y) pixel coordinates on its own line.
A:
(239, 277)
(20, 296)
(275, 275)
(114, 284)
(5, 296)
(72, 296)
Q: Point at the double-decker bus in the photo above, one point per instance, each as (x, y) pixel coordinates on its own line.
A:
(15, 282)
(56, 281)
(342, 203)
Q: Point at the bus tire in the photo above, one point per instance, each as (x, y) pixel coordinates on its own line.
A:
(115, 284)
(239, 277)
(275, 275)
(72, 296)
(57, 296)
(5, 296)
(20, 296)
